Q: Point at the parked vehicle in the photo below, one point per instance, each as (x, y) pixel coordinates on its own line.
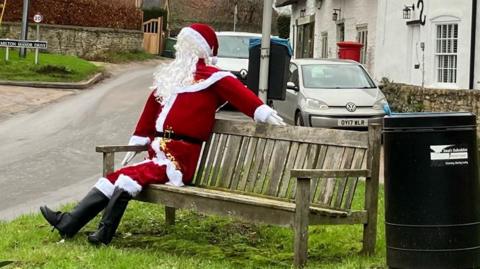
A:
(331, 93)
(233, 52)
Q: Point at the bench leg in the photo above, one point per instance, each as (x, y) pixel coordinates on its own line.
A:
(170, 215)
(370, 235)
(300, 225)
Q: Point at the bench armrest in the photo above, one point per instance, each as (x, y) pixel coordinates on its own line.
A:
(329, 173)
(121, 148)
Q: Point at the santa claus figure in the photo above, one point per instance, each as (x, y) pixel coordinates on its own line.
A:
(178, 117)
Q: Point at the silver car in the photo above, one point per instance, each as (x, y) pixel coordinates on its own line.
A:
(331, 93)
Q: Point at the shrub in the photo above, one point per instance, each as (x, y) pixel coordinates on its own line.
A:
(283, 25)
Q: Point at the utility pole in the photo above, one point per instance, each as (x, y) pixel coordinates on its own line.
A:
(24, 34)
(265, 50)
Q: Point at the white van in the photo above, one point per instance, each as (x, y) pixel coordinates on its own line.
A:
(233, 52)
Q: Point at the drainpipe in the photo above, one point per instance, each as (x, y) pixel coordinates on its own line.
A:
(472, 44)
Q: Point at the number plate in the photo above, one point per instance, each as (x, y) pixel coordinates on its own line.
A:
(352, 122)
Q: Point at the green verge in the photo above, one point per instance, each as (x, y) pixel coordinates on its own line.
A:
(196, 241)
(51, 68)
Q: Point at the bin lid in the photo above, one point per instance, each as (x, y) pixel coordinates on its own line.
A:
(273, 40)
(349, 44)
(429, 120)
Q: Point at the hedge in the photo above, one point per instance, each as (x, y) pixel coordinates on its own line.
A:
(89, 13)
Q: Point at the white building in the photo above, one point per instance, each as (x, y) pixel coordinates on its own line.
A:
(433, 47)
(315, 33)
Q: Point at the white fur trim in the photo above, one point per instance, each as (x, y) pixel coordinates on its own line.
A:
(191, 88)
(126, 183)
(206, 83)
(175, 176)
(198, 38)
(165, 110)
(262, 113)
(139, 140)
(105, 186)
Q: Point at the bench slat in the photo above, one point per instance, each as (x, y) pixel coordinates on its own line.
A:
(212, 152)
(279, 159)
(335, 200)
(299, 161)
(231, 157)
(218, 160)
(263, 178)
(333, 161)
(239, 165)
(252, 146)
(201, 163)
(239, 198)
(292, 154)
(293, 133)
(359, 161)
(328, 173)
(322, 153)
(257, 161)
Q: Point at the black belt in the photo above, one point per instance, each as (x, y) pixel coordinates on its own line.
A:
(174, 136)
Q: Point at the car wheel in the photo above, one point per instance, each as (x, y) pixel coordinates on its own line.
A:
(299, 119)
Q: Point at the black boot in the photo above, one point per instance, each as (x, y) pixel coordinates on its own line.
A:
(111, 217)
(69, 223)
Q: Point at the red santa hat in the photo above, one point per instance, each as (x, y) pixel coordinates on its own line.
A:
(204, 36)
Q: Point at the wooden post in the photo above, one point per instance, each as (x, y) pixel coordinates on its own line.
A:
(108, 163)
(300, 225)
(170, 215)
(371, 189)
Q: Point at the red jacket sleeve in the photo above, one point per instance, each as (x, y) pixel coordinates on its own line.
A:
(146, 123)
(236, 93)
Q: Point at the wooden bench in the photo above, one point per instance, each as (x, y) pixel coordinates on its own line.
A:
(281, 175)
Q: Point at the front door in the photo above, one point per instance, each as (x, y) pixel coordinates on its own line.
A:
(305, 40)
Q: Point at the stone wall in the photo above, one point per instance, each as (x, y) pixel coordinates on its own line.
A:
(408, 98)
(86, 42)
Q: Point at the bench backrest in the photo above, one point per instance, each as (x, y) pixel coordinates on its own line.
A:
(257, 158)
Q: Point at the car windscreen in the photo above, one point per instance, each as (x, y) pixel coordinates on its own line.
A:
(335, 76)
(233, 46)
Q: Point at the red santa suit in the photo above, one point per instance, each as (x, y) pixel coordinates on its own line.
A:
(178, 116)
(190, 113)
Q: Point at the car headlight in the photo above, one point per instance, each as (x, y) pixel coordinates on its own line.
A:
(380, 103)
(315, 104)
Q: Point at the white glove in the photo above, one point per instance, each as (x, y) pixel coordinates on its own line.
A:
(134, 141)
(275, 119)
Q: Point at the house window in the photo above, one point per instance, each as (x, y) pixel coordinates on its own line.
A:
(340, 32)
(446, 52)
(324, 39)
(362, 37)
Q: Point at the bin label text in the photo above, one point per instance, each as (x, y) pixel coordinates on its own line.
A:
(446, 155)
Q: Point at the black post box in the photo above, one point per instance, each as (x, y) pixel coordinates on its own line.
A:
(278, 70)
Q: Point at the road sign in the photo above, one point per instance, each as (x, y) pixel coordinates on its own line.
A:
(38, 18)
(12, 43)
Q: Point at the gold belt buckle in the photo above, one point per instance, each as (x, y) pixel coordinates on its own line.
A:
(168, 133)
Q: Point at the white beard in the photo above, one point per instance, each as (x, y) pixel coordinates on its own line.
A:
(179, 73)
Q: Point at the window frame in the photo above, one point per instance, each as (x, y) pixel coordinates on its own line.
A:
(446, 52)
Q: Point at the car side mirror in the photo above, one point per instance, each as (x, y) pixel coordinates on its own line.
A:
(291, 85)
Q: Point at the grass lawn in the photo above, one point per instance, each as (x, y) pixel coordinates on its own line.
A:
(51, 67)
(196, 241)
